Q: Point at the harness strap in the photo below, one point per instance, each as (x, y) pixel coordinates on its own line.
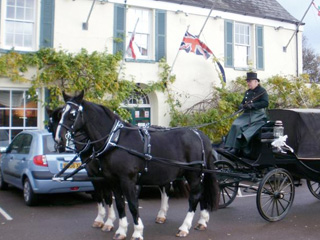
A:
(112, 138)
(66, 167)
(202, 147)
(164, 160)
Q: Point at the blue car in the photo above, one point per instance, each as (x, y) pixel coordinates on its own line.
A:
(30, 162)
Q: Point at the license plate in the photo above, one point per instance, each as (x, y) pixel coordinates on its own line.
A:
(73, 165)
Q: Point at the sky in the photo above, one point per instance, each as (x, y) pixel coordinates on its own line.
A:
(297, 8)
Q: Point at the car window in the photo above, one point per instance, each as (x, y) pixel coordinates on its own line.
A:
(4, 137)
(48, 145)
(21, 144)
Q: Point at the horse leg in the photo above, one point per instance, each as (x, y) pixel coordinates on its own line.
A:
(162, 214)
(129, 189)
(108, 225)
(194, 198)
(121, 232)
(97, 195)
(203, 220)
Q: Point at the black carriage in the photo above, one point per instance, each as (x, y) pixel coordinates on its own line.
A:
(276, 170)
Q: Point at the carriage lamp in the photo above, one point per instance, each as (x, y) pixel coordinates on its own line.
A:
(278, 129)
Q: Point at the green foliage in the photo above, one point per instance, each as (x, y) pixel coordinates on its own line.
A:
(216, 113)
(96, 73)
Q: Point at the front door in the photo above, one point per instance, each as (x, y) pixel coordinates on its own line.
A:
(140, 115)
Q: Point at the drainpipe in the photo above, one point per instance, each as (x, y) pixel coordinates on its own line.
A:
(296, 33)
(297, 49)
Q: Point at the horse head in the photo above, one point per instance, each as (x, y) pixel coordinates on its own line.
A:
(53, 123)
(70, 119)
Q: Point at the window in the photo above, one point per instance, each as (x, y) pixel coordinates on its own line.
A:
(150, 35)
(137, 99)
(239, 49)
(17, 112)
(242, 46)
(19, 27)
(21, 145)
(139, 107)
(141, 20)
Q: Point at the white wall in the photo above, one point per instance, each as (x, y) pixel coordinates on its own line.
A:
(195, 76)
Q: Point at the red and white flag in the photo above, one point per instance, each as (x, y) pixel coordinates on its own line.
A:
(130, 50)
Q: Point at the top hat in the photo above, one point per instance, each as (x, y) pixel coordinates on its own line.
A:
(252, 76)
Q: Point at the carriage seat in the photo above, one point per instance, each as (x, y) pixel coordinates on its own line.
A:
(263, 136)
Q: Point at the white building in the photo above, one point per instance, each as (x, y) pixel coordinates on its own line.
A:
(243, 35)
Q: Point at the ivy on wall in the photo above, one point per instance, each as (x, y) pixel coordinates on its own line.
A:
(97, 74)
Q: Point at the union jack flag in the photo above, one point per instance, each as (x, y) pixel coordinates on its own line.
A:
(191, 43)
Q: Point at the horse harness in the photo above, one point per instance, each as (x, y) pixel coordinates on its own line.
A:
(112, 142)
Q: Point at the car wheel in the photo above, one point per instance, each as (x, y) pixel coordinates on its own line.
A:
(30, 198)
(3, 184)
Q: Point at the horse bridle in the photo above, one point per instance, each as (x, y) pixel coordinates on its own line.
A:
(71, 128)
(79, 110)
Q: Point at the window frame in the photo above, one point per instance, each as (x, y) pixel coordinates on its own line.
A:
(149, 32)
(239, 44)
(14, 130)
(4, 26)
(256, 59)
(158, 34)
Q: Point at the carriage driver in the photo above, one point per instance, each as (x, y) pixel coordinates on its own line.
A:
(253, 117)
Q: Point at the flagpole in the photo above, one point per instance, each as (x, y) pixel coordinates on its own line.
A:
(175, 59)
(125, 52)
(297, 28)
(205, 22)
(215, 58)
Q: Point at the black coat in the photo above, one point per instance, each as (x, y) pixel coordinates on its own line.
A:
(247, 124)
(261, 102)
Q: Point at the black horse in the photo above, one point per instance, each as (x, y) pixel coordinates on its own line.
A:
(102, 191)
(130, 155)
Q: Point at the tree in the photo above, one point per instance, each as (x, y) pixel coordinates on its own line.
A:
(311, 61)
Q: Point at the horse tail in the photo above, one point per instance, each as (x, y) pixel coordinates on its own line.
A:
(211, 187)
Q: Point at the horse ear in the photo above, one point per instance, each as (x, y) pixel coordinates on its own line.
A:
(66, 97)
(79, 98)
(49, 111)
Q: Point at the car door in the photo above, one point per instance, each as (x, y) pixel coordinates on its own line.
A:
(16, 159)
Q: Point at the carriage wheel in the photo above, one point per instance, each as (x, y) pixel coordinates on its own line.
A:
(275, 195)
(228, 186)
(314, 188)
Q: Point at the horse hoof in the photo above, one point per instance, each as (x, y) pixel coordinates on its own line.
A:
(97, 224)
(181, 233)
(107, 228)
(200, 227)
(136, 238)
(118, 236)
(160, 220)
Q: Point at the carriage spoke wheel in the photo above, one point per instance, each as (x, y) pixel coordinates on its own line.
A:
(227, 185)
(314, 188)
(275, 195)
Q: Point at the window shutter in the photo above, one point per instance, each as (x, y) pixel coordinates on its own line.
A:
(119, 28)
(160, 39)
(259, 47)
(228, 40)
(46, 23)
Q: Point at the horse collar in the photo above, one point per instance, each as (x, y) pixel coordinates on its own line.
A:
(112, 139)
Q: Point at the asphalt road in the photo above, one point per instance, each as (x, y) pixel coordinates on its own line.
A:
(69, 217)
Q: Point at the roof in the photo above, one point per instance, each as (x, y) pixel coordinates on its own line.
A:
(269, 9)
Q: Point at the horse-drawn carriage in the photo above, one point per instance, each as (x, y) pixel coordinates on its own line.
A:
(126, 155)
(277, 166)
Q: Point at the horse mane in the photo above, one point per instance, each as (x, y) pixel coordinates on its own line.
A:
(55, 113)
(109, 113)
